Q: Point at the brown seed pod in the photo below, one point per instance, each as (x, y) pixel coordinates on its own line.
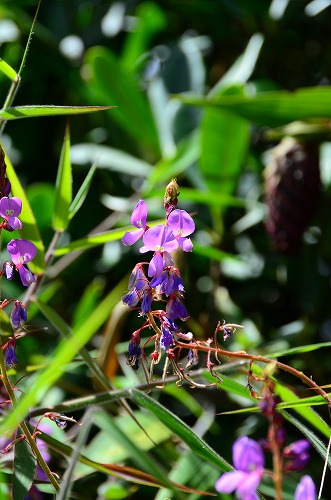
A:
(292, 188)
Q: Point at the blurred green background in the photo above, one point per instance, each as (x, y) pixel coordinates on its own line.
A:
(143, 57)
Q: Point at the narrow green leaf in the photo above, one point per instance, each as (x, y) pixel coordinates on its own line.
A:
(7, 70)
(36, 111)
(272, 108)
(25, 464)
(91, 241)
(180, 429)
(68, 478)
(82, 193)
(63, 187)
(306, 412)
(30, 229)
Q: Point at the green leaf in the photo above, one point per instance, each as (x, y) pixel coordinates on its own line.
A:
(30, 229)
(108, 80)
(224, 144)
(7, 70)
(180, 429)
(304, 411)
(36, 111)
(25, 464)
(82, 193)
(272, 108)
(91, 241)
(63, 187)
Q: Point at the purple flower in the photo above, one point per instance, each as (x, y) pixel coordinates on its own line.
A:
(134, 351)
(131, 298)
(146, 303)
(168, 327)
(159, 239)
(18, 315)
(248, 459)
(9, 209)
(182, 225)
(138, 278)
(298, 455)
(139, 220)
(22, 251)
(8, 270)
(10, 354)
(176, 309)
(305, 490)
(169, 281)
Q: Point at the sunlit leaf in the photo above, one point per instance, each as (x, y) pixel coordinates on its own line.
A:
(63, 187)
(36, 111)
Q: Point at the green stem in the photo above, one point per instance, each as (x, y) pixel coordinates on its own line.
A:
(24, 426)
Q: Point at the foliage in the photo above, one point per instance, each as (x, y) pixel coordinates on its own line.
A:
(228, 98)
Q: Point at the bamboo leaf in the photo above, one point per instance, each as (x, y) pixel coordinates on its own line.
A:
(63, 187)
(17, 112)
(7, 70)
(180, 429)
(82, 193)
(272, 108)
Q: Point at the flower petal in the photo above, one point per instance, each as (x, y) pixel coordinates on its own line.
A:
(181, 223)
(229, 482)
(139, 214)
(305, 490)
(131, 237)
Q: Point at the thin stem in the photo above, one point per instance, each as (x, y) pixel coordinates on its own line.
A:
(251, 357)
(24, 426)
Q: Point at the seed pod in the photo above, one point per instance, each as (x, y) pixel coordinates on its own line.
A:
(292, 188)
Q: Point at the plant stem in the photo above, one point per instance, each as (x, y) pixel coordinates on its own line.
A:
(251, 357)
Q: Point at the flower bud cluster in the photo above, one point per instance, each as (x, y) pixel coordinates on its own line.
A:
(159, 279)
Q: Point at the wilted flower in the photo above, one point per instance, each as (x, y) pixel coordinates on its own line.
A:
(18, 315)
(10, 354)
(297, 454)
(248, 459)
(305, 490)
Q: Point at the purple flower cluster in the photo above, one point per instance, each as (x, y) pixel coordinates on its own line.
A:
(21, 252)
(248, 460)
(162, 281)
